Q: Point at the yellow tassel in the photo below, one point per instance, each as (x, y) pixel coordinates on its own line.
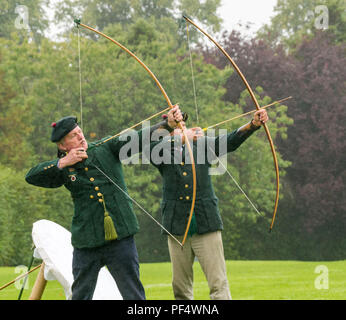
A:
(110, 232)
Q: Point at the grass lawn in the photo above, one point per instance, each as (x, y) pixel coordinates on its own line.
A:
(249, 280)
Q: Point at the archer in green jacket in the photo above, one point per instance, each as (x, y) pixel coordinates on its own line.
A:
(204, 241)
(103, 223)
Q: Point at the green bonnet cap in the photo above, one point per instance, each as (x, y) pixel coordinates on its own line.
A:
(63, 127)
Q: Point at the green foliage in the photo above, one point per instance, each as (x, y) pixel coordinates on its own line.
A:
(116, 93)
(11, 126)
(251, 165)
(297, 18)
(102, 14)
(20, 206)
(23, 19)
(292, 56)
(203, 11)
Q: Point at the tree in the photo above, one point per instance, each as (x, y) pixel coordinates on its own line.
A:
(319, 135)
(311, 210)
(101, 14)
(20, 206)
(13, 146)
(261, 64)
(116, 93)
(295, 19)
(24, 19)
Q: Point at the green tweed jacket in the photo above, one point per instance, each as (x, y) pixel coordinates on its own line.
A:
(178, 182)
(90, 190)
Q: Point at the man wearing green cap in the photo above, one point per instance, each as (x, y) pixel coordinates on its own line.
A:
(103, 223)
(204, 238)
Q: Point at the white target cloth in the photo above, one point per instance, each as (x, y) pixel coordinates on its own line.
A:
(53, 246)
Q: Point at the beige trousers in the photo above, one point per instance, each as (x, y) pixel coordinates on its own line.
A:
(208, 249)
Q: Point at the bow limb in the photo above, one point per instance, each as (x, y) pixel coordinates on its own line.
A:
(253, 97)
(170, 105)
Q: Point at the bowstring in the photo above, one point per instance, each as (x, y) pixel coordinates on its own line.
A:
(111, 180)
(80, 82)
(196, 108)
(137, 204)
(192, 73)
(236, 183)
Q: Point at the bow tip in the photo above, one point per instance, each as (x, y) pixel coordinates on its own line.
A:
(77, 21)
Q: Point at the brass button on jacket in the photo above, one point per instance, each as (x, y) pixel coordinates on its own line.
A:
(178, 182)
(87, 227)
